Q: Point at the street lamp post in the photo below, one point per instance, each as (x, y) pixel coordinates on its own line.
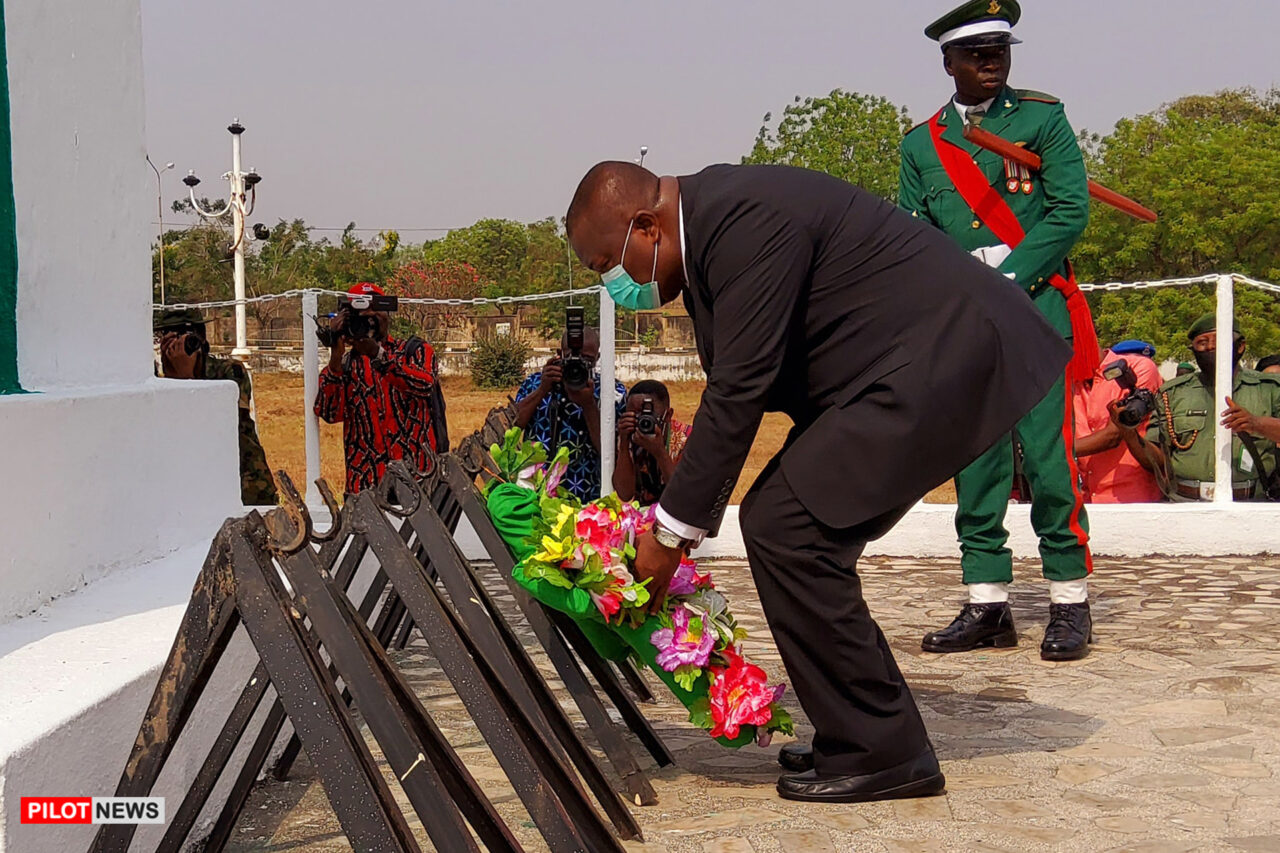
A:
(160, 217)
(644, 149)
(240, 201)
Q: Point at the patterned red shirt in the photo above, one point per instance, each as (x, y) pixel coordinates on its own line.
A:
(382, 405)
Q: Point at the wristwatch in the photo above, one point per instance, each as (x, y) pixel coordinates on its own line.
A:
(670, 539)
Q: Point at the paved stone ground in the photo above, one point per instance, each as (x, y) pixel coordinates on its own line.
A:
(1166, 738)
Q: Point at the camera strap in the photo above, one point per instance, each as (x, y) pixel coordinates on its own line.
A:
(1270, 482)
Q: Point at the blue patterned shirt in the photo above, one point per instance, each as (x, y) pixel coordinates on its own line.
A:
(583, 476)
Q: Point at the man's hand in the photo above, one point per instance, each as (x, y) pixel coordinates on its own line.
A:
(585, 396)
(178, 363)
(655, 445)
(1237, 419)
(657, 562)
(367, 346)
(626, 428)
(552, 374)
(1113, 409)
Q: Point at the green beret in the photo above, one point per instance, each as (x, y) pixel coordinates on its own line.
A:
(176, 318)
(1186, 367)
(977, 22)
(1209, 323)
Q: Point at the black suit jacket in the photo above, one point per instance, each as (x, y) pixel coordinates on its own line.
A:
(899, 357)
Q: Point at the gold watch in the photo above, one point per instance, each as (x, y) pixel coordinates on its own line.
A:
(670, 539)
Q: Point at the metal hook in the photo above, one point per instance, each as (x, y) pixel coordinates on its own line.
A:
(335, 513)
(397, 470)
(289, 524)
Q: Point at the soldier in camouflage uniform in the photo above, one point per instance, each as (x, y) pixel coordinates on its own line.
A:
(1179, 443)
(178, 361)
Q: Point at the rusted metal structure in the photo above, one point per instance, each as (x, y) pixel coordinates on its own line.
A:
(289, 585)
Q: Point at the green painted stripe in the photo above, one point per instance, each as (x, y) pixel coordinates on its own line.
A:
(8, 235)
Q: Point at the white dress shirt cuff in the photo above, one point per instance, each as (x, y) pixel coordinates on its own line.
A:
(679, 528)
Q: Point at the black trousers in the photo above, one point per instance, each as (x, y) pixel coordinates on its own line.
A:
(839, 665)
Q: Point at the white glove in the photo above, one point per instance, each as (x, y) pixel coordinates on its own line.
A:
(992, 256)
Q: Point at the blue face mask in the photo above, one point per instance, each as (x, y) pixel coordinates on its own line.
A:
(628, 292)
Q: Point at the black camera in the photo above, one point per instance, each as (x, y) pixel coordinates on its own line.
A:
(1138, 403)
(646, 420)
(575, 370)
(358, 324)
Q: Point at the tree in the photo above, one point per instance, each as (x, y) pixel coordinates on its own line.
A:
(495, 247)
(849, 135)
(1207, 165)
(436, 280)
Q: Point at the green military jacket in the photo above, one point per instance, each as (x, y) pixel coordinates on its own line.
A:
(257, 486)
(1187, 412)
(1053, 214)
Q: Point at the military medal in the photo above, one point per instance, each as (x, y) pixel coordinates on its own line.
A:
(1026, 180)
(1010, 177)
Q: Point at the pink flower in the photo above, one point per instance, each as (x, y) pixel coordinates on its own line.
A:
(686, 580)
(683, 644)
(608, 603)
(555, 473)
(740, 696)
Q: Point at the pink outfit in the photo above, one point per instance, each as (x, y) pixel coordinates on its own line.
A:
(1114, 476)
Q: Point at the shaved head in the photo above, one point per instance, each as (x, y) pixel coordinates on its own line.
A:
(611, 193)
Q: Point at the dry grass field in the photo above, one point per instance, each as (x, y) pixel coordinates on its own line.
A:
(278, 398)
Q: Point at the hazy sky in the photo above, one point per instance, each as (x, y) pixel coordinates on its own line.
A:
(416, 114)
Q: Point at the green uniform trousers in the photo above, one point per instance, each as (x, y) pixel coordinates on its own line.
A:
(1047, 434)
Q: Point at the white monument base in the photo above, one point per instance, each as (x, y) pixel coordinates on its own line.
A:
(1118, 530)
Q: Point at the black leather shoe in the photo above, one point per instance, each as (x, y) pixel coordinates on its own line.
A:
(919, 777)
(1069, 632)
(796, 757)
(978, 626)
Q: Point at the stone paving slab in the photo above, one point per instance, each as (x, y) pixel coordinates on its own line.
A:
(1166, 738)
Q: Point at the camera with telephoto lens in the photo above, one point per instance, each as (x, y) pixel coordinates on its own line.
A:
(358, 324)
(1138, 403)
(575, 370)
(646, 420)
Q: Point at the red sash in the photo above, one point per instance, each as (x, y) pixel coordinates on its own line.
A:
(991, 208)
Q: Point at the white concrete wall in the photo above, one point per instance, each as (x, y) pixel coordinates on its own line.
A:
(115, 482)
(84, 192)
(104, 460)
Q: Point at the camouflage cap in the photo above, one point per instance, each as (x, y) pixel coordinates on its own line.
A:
(1209, 323)
(176, 318)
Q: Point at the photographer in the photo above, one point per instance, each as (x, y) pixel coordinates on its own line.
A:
(381, 390)
(650, 442)
(1108, 471)
(184, 354)
(556, 411)
(1179, 443)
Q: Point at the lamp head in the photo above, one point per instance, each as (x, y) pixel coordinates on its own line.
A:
(191, 180)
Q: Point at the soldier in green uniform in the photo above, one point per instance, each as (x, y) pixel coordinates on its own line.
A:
(1026, 224)
(1179, 445)
(178, 360)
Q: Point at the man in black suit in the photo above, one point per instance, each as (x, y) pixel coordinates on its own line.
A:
(899, 358)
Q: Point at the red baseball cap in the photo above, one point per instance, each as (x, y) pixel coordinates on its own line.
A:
(365, 287)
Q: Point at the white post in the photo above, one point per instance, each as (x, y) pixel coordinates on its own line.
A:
(608, 416)
(241, 349)
(1222, 389)
(310, 387)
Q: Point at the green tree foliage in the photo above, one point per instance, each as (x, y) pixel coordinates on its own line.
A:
(1208, 165)
(497, 361)
(849, 135)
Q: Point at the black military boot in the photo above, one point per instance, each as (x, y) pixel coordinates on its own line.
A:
(978, 626)
(1069, 632)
